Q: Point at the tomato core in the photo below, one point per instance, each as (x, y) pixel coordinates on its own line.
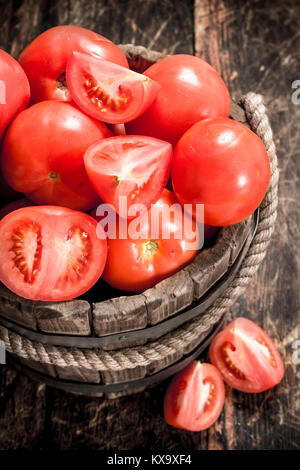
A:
(210, 395)
(99, 97)
(233, 369)
(53, 176)
(61, 81)
(149, 248)
(78, 263)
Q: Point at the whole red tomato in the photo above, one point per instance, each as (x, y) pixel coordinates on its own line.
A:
(222, 164)
(45, 59)
(134, 264)
(191, 90)
(246, 357)
(14, 90)
(42, 154)
(195, 397)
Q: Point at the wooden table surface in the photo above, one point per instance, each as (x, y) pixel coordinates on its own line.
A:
(255, 45)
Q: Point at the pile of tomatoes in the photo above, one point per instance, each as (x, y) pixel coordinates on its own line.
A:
(79, 128)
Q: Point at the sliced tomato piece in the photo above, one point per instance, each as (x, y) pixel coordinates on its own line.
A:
(195, 397)
(133, 167)
(246, 357)
(50, 253)
(107, 91)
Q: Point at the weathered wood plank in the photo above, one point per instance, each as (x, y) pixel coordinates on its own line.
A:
(47, 369)
(120, 314)
(16, 309)
(71, 317)
(124, 375)
(78, 374)
(169, 297)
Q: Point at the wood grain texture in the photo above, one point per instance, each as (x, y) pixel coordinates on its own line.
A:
(255, 45)
(71, 317)
(120, 314)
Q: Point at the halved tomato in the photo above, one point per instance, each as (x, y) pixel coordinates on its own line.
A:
(50, 253)
(107, 91)
(195, 397)
(246, 357)
(136, 168)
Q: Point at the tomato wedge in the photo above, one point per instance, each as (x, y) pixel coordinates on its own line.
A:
(50, 253)
(195, 397)
(246, 357)
(133, 167)
(107, 91)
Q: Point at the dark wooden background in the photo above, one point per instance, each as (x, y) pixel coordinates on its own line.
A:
(255, 45)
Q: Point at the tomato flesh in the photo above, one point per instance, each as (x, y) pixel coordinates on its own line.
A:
(45, 59)
(107, 91)
(133, 167)
(137, 263)
(50, 253)
(223, 165)
(195, 397)
(45, 161)
(246, 357)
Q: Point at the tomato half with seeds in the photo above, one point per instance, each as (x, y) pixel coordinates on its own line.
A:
(45, 59)
(246, 357)
(134, 168)
(107, 91)
(42, 154)
(195, 397)
(151, 247)
(50, 253)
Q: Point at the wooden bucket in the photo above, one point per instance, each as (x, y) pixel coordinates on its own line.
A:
(108, 343)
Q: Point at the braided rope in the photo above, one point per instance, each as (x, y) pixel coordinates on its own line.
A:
(185, 338)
